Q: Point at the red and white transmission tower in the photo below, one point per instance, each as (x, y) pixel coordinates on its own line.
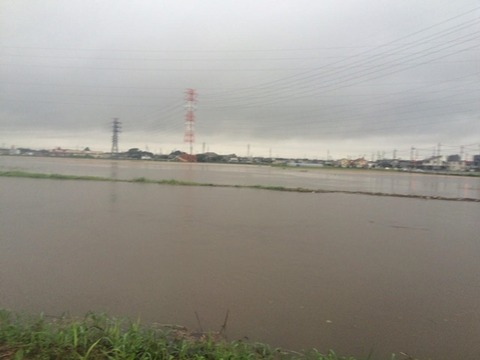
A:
(191, 100)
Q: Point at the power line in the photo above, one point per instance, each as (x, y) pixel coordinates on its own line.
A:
(390, 43)
(347, 78)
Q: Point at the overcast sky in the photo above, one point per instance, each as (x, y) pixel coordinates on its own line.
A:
(281, 77)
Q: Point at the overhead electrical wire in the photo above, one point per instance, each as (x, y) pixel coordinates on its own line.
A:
(275, 90)
(395, 42)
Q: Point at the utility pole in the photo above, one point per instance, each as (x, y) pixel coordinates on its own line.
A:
(191, 100)
(413, 157)
(116, 127)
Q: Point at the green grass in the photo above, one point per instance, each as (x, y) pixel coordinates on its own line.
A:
(143, 180)
(97, 336)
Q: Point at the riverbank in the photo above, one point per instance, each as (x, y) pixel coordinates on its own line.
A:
(98, 336)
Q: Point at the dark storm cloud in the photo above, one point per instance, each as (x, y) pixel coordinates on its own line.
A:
(356, 74)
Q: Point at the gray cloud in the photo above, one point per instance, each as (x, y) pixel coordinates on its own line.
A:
(301, 77)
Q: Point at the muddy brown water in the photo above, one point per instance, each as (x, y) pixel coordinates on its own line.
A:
(355, 273)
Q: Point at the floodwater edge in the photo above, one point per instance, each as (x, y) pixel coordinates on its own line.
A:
(99, 336)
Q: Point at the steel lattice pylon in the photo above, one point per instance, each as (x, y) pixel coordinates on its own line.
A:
(191, 99)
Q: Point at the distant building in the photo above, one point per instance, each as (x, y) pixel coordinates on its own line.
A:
(434, 163)
(405, 164)
(455, 163)
(360, 163)
(476, 162)
(209, 157)
(386, 163)
(75, 153)
(344, 163)
(186, 158)
(451, 158)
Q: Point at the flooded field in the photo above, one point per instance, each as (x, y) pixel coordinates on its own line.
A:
(392, 182)
(354, 273)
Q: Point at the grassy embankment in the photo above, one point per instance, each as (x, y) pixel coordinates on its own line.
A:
(98, 336)
(24, 174)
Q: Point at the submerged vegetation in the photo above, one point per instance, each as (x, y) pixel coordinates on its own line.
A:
(24, 174)
(97, 336)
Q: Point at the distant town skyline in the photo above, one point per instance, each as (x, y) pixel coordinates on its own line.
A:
(466, 153)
